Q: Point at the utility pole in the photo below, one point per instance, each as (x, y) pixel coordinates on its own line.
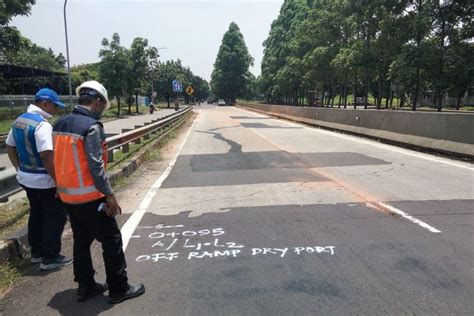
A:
(67, 54)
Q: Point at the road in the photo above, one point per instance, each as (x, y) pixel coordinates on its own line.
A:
(257, 216)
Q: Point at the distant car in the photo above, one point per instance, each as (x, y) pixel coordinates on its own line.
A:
(220, 102)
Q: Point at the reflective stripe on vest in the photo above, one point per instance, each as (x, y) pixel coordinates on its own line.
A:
(23, 131)
(73, 178)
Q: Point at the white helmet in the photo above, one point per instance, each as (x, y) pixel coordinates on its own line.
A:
(96, 86)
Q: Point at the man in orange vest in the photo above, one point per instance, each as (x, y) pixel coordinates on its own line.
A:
(80, 153)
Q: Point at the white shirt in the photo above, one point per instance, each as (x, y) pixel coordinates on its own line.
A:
(44, 142)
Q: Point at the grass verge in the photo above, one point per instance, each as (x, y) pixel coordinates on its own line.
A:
(10, 273)
(13, 217)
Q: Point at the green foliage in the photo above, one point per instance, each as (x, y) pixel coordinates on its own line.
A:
(129, 72)
(168, 71)
(115, 68)
(9, 36)
(29, 54)
(230, 76)
(383, 48)
(84, 72)
(32, 55)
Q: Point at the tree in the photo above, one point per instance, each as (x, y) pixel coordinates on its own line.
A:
(10, 36)
(283, 53)
(230, 74)
(142, 58)
(31, 55)
(171, 70)
(84, 72)
(166, 73)
(375, 47)
(114, 68)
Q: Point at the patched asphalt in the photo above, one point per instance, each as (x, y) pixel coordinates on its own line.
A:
(265, 218)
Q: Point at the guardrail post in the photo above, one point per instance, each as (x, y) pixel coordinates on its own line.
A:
(138, 140)
(126, 148)
(147, 136)
(110, 155)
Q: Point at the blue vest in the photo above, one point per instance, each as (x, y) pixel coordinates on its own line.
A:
(23, 130)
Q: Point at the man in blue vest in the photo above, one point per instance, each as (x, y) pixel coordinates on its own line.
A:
(30, 149)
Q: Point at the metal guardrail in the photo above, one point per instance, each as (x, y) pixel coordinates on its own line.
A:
(11, 101)
(10, 186)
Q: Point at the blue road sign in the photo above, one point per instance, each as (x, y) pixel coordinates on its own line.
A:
(177, 86)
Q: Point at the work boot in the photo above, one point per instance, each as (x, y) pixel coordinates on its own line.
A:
(58, 262)
(86, 292)
(133, 291)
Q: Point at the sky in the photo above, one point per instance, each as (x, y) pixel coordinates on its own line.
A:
(191, 30)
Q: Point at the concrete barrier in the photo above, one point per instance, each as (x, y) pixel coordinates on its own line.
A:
(449, 133)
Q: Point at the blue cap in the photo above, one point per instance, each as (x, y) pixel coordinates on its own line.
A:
(46, 94)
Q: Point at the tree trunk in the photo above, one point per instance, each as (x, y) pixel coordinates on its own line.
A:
(355, 90)
(340, 96)
(366, 90)
(439, 102)
(136, 102)
(441, 65)
(118, 106)
(418, 42)
(379, 98)
(345, 97)
(458, 103)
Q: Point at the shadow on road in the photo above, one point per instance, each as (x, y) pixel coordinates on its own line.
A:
(65, 303)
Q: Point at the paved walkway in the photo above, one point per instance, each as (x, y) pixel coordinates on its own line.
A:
(111, 127)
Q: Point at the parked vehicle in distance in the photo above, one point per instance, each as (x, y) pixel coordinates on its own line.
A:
(220, 102)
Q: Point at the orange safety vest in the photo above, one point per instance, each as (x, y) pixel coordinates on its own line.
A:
(74, 181)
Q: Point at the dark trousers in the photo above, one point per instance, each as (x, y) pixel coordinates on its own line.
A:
(88, 225)
(46, 222)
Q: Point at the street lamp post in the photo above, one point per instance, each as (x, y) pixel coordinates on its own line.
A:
(67, 54)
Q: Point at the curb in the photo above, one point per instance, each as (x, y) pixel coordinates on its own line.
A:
(17, 245)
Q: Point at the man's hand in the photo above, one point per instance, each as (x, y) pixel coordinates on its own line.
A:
(48, 161)
(113, 208)
(13, 156)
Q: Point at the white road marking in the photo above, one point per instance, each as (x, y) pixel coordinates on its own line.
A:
(409, 217)
(132, 223)
(374, 143)
(378, 205)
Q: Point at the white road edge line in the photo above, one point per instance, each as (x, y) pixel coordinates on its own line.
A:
(369, 142)
(410, 218)
(132, 223)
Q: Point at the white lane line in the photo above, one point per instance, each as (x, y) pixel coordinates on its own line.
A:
(132, 223)
(372, 143)
(409, 217)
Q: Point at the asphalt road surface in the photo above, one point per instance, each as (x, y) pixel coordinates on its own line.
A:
(257, 216)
